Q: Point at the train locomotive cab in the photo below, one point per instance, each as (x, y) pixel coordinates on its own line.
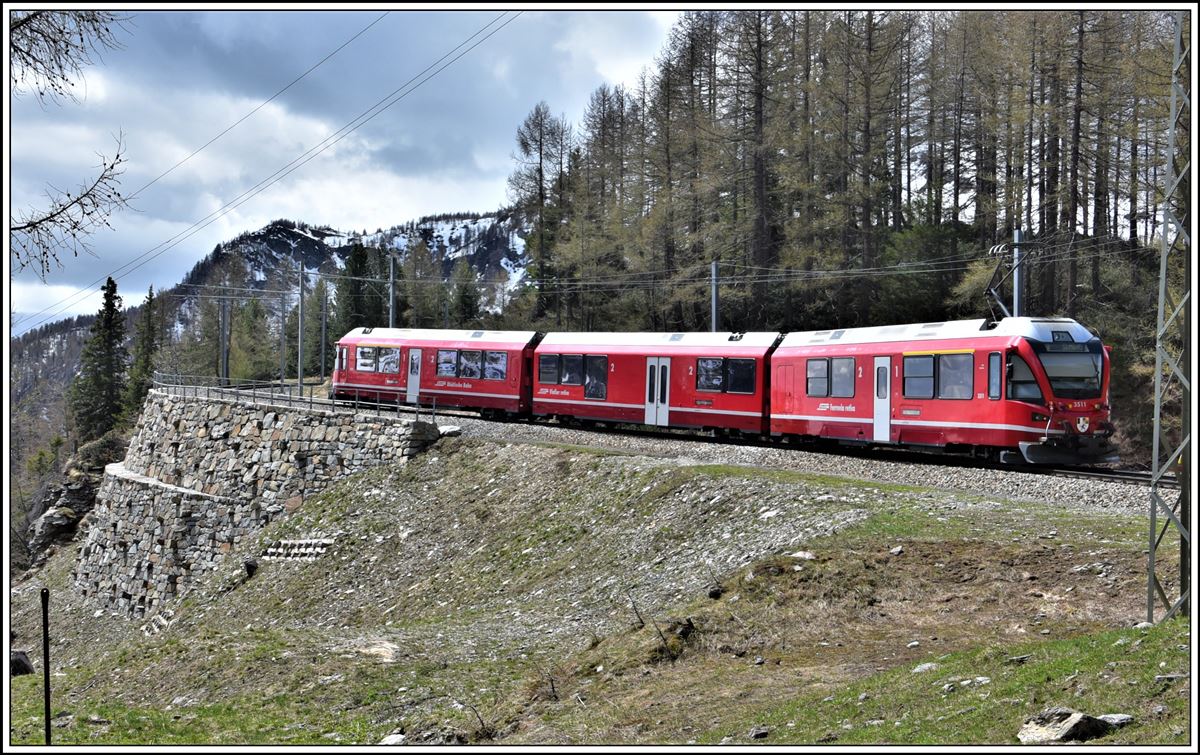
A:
(1020, 390)
(1057, 377)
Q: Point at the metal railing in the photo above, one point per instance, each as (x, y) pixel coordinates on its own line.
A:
(285, 394)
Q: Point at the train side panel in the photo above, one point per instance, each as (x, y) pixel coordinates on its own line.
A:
(696, 381)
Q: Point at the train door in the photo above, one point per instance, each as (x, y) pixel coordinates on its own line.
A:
(658, 390)
(783, 389)
(414, 376)
(883, 399)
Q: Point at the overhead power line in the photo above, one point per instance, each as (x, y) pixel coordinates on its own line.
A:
(265, 102)
(366, 116)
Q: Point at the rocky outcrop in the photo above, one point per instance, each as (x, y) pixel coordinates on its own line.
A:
(202, 476)
(61, 506)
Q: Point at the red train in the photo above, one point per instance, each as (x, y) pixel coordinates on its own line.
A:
(1031, 389)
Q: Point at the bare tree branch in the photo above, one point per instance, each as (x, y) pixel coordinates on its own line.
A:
(48, 52)
(50, 48)
(38, 235)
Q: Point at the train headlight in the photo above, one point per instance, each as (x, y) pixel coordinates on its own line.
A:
(1040, 417)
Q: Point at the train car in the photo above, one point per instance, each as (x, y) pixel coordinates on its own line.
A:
(698, 380)
(1032, 389)
(476, 369)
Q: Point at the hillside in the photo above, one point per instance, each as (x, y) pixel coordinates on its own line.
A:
(522, 593)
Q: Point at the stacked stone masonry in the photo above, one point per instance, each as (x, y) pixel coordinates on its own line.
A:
(201, 476)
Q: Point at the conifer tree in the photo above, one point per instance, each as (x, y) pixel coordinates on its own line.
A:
(426, 291)
(312, 330)
(252, 354)
(94, 399)
(144, 348)
(353, 310)
(465, 295)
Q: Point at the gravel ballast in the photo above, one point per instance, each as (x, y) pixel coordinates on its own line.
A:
(1082, 494)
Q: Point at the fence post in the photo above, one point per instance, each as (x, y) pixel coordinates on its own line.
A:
(46, 657)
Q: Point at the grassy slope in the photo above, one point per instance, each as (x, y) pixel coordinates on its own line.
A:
(427, 618)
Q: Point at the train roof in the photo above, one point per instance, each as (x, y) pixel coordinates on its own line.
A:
(761, 340)
(1037, 328)
(385, 335)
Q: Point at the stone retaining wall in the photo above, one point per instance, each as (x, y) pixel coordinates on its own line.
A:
(218, 446)
(147, 539)
(201, 476)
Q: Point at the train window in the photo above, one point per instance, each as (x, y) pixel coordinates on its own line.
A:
(495, 365)
(918, 377)
(548, 368)
(572, 369)
(741, 375)
(470, 364)
(595, 380)
(881, 382)
(447, 362)
(994, 375)
(955, 375)
(818, 377)
(710, 374)
(389, 361)
(1022, 384)
(843, 378)
(341, 355)
(364, 359)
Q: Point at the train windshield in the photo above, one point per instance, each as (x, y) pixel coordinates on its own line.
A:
(1075, 370)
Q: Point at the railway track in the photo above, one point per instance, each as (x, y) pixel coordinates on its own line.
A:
(903, 456)
(1127, 476)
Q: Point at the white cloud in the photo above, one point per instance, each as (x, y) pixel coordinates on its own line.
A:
(602, 42)
(369, 199)
(182, 78)
(32, 297)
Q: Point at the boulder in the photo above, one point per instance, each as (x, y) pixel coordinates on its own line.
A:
(19, 663)
(1061, 724)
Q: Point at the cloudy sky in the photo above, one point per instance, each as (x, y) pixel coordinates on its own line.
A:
(180, 78)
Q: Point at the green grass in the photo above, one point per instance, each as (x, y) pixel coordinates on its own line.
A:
(244, 719)
(254, 659)
(1090, 673)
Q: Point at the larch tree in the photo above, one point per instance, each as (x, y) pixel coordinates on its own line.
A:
(253, 355)
(539, 140)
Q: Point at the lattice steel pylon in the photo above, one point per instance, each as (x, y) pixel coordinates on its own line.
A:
(1173, 320)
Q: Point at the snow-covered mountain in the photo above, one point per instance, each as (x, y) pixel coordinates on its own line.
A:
(267, 259)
